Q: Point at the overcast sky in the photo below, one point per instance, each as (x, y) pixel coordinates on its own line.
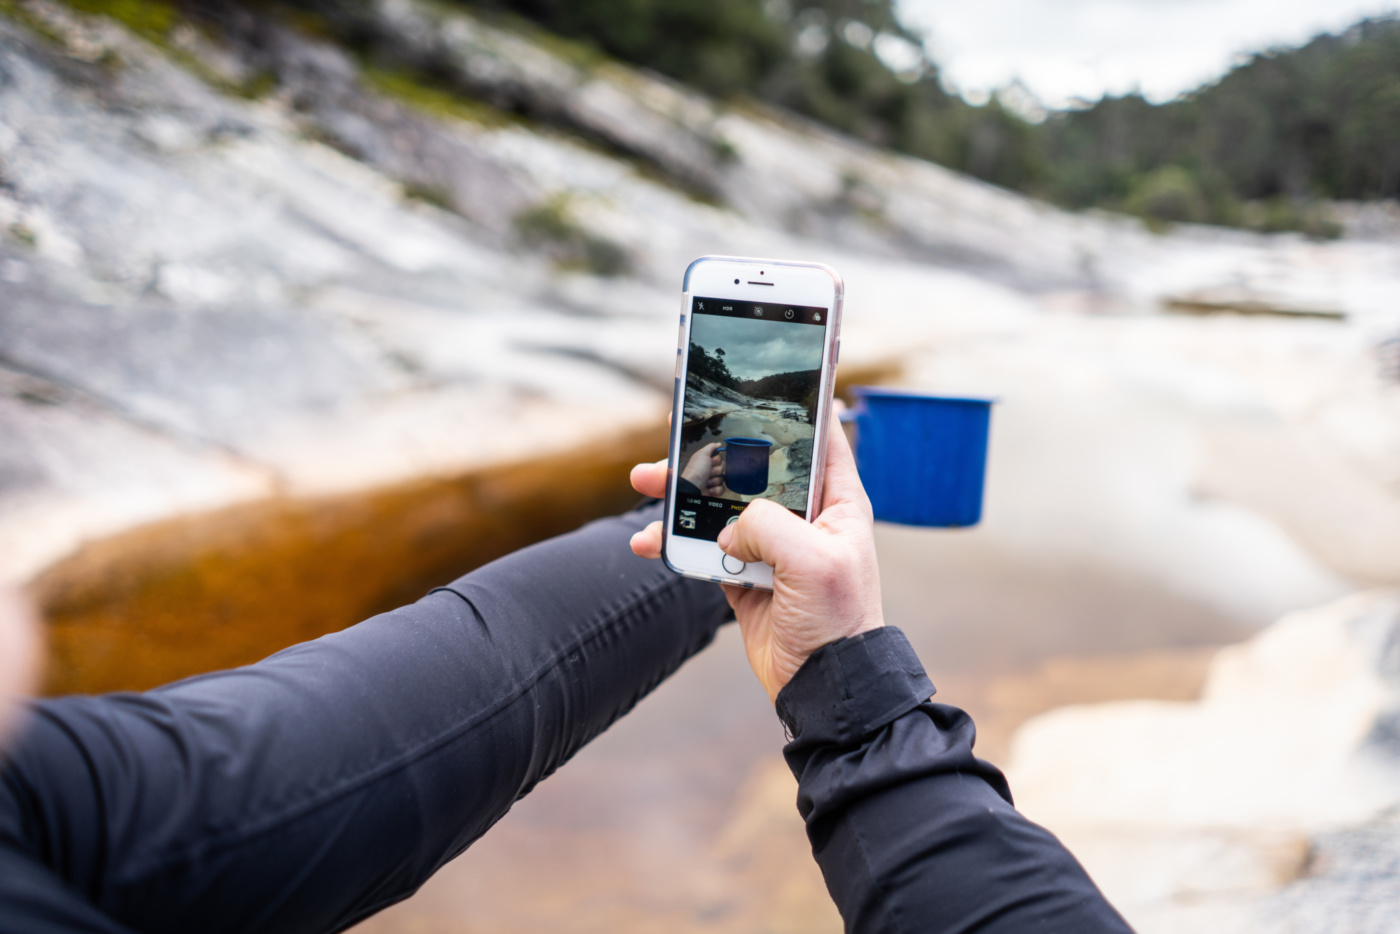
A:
(755, 349)
(1063, 49)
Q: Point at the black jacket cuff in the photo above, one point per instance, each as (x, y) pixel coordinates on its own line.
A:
(852, 687)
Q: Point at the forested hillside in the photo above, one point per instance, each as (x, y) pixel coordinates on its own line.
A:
(850, 64)
(1285, 128)
(1258, 148)
(1264, 147)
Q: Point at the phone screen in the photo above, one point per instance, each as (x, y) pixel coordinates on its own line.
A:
(752, 386)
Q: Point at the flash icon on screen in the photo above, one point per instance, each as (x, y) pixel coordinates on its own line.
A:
(758, 310)
(817, 316)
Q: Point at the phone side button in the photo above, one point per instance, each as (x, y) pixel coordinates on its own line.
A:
(732, 564)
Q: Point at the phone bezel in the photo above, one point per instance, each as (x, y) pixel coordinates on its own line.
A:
(796, 283)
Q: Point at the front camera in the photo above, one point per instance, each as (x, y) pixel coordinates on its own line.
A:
(736, 281)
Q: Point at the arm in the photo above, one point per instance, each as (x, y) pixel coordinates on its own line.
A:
(912, 832)
(309, 790)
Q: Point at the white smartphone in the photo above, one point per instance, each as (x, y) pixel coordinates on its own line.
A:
(755, 367)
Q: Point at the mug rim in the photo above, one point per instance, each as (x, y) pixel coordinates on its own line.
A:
(895, 393)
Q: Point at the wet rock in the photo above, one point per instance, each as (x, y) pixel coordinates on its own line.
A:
(268, 269)
(1348, 884)
(1218, 812)
(648, 118)
(799, 456)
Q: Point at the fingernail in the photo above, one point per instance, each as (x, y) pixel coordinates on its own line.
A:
(725, 534)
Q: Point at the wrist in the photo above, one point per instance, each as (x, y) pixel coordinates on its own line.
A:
(787, 662)
(852, 686)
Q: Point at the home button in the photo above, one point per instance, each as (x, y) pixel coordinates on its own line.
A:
(732, 564)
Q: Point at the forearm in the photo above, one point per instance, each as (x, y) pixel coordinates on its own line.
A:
(328, 781)
(912, 832)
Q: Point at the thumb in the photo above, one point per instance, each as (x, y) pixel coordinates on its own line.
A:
(766, 532)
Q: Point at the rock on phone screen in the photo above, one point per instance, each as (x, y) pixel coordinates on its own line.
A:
(748, 422)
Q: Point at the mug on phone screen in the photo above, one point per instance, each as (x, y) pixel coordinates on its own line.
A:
(746, 465)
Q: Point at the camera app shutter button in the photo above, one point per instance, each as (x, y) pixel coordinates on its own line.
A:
(732, 564)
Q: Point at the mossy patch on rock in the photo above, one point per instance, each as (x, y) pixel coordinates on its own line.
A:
(552, 226)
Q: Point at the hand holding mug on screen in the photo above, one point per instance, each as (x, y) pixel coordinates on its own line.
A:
(705, 470)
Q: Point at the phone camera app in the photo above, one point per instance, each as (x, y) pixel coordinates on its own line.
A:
(748, 415)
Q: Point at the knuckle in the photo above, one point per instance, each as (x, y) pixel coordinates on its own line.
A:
(830, 572)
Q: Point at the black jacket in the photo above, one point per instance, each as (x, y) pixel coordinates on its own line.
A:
(308, 791)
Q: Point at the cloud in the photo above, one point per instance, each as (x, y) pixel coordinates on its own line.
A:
(1069, 49)
(755, 349)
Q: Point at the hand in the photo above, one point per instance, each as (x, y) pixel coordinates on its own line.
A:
(705, 471)
(826, 584)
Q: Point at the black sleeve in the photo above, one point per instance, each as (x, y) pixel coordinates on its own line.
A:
(913, 832)
(309, 790)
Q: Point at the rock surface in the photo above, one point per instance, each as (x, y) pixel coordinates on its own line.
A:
(714, 412)
(213, 297)
(251, 290)
(1267, 806)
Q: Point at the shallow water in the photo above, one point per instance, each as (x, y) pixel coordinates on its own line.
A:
(682, 817)
(783, 423)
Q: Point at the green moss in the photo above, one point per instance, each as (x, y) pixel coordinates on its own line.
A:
(306, 22)
(436, 195)
(582, 55)
(24, 235)
(15, 11)
(430, 99)
(551, 227)
(551, 220)
(726, 153)
(152, 19)
(577, 52)
(257, 87)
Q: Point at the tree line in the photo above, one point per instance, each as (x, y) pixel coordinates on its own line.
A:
(798, 386)
(1263, 147)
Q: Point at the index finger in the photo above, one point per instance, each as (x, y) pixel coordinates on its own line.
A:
(650, 479)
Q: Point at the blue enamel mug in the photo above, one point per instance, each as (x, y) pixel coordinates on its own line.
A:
(746, 464)
(922, 458)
